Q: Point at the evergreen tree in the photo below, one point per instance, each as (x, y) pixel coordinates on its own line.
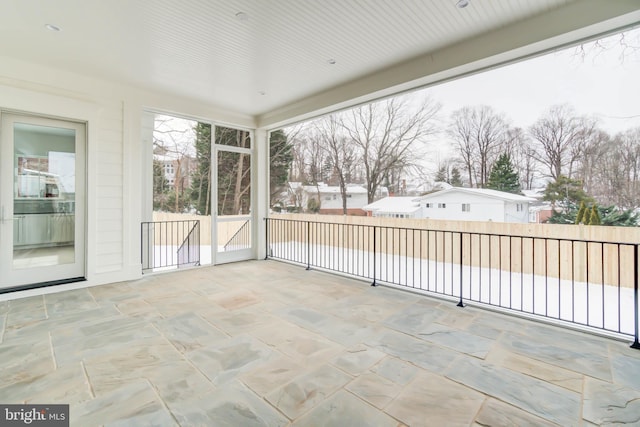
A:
(503, 177)
(456, 179)
(580, 215)
(566, 216)
(161, 187)
(607, 215)
(586, 216)
(200, 192)
(611, 215)
(595, 216)
(313, 206)
(567, 191)
(280, 159)
(442, 175)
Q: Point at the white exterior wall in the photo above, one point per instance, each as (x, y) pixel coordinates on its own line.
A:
(513, 214)
(356, 201)
(117, 155)
(482, 208)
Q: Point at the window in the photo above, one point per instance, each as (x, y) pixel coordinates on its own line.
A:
(442, 205)
(428, 205)
(466, 207)
(519, 207)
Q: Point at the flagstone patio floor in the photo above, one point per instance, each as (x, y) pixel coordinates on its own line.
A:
(268, 343)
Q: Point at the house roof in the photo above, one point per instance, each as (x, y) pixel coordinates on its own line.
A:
(266, 62)
(394, 205)
(536, 193)
(510, 197)
(331, 189)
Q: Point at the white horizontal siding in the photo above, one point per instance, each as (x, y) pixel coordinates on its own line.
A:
(108, 177)
(482, 208)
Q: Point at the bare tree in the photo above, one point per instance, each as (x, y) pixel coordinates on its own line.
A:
(389, 135)
(619, 170)
(593, 147)
(478, 132)
(173, 141)
(559, 136)
(629, 142)
(339, 154)
(517, 145)
(309, 157)
(461, 131)
(295, 136)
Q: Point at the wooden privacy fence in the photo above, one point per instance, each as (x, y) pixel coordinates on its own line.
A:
(227, 227)
(567, 252)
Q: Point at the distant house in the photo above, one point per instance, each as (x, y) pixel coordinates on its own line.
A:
(475, 204)
(395, 207)
(177, 169)
(539, 210)
(329, 198)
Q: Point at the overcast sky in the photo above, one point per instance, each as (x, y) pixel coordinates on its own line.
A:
(604, 82)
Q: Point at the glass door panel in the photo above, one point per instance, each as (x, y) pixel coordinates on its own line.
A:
(42, 166)
(233, 187)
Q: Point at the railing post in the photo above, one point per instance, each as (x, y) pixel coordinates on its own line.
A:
(461, 303)
(636, 306)
(374, 257)
(142, 246)
(308, 246)
(266, 238)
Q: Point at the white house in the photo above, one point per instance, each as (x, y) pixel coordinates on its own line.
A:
(475, 204)
(395, 207)
(330, 198)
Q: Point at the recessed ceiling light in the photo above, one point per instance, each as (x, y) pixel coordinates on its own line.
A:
(261, 92)
(331, 61)
(52, 27)
(462, 3)
(241, 16)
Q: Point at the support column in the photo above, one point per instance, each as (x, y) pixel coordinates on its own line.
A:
(261, 190)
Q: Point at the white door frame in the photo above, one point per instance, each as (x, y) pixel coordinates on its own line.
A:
(220, 257)
(11, 277)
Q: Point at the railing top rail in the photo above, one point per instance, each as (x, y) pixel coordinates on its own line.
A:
(461, 232)
(168, 222)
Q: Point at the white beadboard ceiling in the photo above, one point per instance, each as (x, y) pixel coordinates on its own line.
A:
(272, 60)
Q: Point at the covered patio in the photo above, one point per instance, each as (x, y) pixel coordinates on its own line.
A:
(262, 342)
(268, 343)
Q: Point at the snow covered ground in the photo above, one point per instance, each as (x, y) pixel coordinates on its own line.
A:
(591, 304)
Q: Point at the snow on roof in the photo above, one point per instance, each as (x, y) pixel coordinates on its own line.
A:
(536, 193)
(394, 205)
(330, 189)
(481, 192)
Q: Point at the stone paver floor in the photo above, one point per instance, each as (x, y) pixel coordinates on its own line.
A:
(267, 343)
